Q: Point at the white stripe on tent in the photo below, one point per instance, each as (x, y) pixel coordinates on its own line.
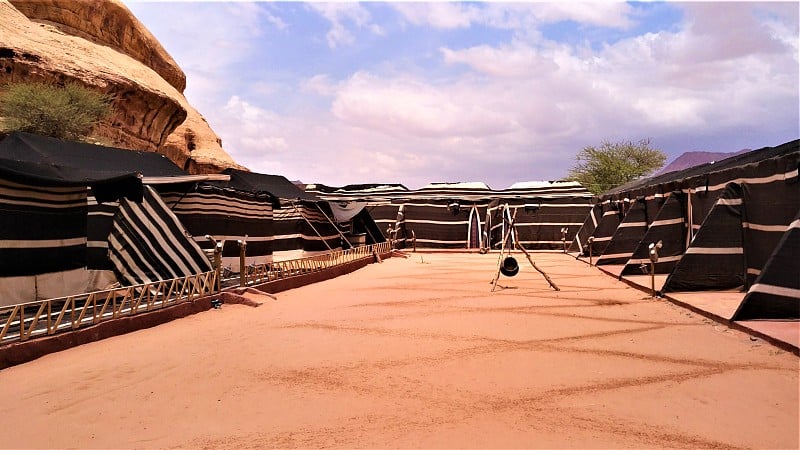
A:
(795, 224)
(715, 251)
(124, 253)
(438, 222)
(762, 180)
(663, 222)
(551, 205)
(436, 241)
(729, 201)
(44, 243)
(235, 238)
(660, 259)
(775, 290)
(601, 239)
(609, 213)
(533, 224)
(304, 236)
(632, 224)
(137, 211)
(594, 218)
(752, 271)
(771, 228)
(540, 242)
(102, 213)
(44, 203)
(615, 255)
(97, 244)
(194, 268)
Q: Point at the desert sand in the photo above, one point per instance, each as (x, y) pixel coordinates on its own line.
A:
(417, 353)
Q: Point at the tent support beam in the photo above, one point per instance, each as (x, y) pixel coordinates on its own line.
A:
(335, 227)
(312, 226)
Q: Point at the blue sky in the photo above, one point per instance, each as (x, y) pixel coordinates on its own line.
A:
(412, 93)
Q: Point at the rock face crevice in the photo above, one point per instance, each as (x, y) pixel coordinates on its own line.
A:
(113, 53)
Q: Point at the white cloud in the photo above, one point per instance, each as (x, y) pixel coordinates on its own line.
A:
(405, 106)
(517, 16)
(515, 110)
(339, 14)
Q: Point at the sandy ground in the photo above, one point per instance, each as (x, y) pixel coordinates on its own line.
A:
(417, 353)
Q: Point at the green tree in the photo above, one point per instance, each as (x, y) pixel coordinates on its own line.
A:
(66, 112)
(613, 164)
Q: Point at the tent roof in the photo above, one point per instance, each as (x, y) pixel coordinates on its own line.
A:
(276, 185)
(357, 188)
(70, 158)
(457, 185)
(709, 167)
(543, 184)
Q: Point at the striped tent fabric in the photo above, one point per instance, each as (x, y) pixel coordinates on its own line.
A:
(42, 229)
(148, 243)
(498, 221)
(440, 223)
(99, 224)
(715, 258)
(580, 242)
(453, 215)
(770, 204)
(384, 214)
(539, 222)
(228, 216)
(609, 221)
(775, 294)
(378, 199)
(302, 229)
(669, 228)
(627, 236)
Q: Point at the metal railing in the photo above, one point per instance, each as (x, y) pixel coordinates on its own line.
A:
(277, 270)
(46, 317)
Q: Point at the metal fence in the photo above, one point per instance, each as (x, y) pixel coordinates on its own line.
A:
(46, 317)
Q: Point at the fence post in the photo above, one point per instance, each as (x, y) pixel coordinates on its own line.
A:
(242, 261)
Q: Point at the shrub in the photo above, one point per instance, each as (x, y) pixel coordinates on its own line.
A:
(66, 112)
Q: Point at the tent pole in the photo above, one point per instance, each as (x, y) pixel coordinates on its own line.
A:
(312, 226)
(334, 226)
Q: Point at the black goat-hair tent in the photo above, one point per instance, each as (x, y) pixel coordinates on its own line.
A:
(43, 215)
(612, 214)
(580, 242)
(669, 228)
(454, 215)
(301, 224)
(627, 235)
(775, 294)
(715, 258)
(148, 243)
(228, 216)
(102, 172)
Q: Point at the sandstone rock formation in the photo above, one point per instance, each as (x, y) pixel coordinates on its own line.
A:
(99, 43)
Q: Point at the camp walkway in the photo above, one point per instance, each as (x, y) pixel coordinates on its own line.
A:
(719, 306)
(416, 352)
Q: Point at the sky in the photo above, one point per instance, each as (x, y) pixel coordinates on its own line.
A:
(407, 92)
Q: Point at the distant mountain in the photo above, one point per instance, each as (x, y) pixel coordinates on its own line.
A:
(691, 159)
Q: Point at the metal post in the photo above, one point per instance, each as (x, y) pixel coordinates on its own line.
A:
(590, 241)
(653, 260)
(564, 238)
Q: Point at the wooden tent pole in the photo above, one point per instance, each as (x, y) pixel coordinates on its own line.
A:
(312, 226)
(530, 260)
(334, 226)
